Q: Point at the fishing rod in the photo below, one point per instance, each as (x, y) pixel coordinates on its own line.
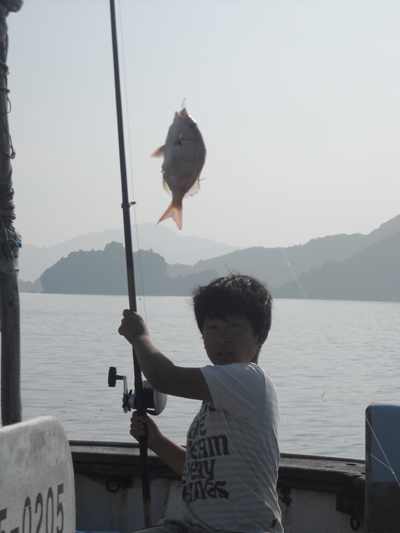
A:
(140, 401)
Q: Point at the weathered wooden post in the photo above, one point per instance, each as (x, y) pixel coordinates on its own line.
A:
(11, 410)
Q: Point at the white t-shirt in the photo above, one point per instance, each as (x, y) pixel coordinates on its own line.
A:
(232, 457)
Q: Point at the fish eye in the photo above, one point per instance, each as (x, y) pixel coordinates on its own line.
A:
(192, 125)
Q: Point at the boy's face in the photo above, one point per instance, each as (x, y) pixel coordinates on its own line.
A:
(231, 340)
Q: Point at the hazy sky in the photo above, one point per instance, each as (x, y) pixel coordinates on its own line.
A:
(298, 103)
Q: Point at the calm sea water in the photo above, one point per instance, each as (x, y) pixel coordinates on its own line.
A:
(329, 361)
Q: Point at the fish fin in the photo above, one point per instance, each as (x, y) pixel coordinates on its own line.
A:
(175, 212)
(166, 187)
(195, 188)
(159, 152)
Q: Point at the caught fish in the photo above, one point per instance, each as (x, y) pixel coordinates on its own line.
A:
(184, 156)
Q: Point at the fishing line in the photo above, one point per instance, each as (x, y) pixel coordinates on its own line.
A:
(323, 329)
(243, 175)
(218, 169)
(296, 278)
(317, 319)
(321, 326)
(261, 207)
(129, 149)
(387, 464)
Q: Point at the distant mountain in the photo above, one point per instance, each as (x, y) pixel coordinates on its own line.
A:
(174, 248)
(277, 266)
(29, 286)
(372, 274)
(336, 267)
(104, 272)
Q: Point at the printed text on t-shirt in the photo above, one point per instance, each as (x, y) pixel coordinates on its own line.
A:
(202, 452)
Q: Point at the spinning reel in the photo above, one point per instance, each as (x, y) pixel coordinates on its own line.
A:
(154, 401)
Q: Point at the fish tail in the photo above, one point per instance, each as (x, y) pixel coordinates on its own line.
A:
(175, 212)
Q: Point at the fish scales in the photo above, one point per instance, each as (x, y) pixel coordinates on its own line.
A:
(184, 156)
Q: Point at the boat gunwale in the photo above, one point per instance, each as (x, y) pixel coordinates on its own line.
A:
(306, 472)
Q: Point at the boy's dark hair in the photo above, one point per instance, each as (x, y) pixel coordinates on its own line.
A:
(234, 295)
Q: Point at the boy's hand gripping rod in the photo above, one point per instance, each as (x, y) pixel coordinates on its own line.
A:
(139, 395)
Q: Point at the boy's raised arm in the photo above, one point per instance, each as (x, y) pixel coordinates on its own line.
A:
(163, 375)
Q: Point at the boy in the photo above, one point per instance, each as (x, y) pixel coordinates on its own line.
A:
(229, 468)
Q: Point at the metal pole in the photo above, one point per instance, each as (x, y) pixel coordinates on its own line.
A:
(139, 396)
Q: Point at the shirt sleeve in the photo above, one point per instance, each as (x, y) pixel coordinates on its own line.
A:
(238, 388)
